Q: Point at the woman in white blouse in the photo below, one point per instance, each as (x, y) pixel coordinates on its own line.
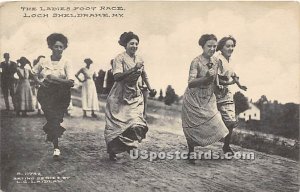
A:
(53, 74)
(89, 98)
(227, 77)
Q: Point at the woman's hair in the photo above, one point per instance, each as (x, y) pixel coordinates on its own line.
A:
(88, 61)
(206, 37)
(51, 39)
(23, 61)
(222, 42)
(126, 37)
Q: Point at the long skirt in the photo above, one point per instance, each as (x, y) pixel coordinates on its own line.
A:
(125, 123)
(201, 121)
(23, 96)
(89, 96)
(54, 100)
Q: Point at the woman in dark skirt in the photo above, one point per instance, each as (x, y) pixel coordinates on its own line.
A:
(54, 75)
(125, 122)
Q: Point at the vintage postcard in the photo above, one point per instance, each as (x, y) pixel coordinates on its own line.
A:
(149, 96)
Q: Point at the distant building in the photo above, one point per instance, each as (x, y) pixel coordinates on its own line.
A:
(253, 113)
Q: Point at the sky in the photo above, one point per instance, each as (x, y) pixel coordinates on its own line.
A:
(266, 57)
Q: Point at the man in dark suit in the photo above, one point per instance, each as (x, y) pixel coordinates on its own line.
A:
(7, 69)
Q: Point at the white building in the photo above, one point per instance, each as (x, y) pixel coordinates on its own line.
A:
(253, 113)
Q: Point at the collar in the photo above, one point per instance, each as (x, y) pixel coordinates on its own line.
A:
(205, 61)
(125, 53)
(222, 58)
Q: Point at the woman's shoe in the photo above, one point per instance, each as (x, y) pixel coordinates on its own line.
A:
(94, 115)
(56, 153)
(191, 160)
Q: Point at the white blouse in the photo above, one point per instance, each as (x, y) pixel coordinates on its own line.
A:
(226, 67)
(61, 69)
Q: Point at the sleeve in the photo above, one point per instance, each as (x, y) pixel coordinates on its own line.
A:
(144, 75)
(36, 70)
(118, 65)
(193, 70)
(230, 72)
(69, 71)
(144, 72)
(233, 74)
(220, 67)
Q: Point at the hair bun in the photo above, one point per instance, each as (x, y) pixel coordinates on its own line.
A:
(126, 37)
(88, 61)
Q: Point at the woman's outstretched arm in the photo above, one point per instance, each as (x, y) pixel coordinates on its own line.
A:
(77, 75)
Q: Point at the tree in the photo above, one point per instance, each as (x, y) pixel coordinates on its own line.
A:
(241, 102)
(170, 95)
(152, 94)
(262, 100)
(161, 97)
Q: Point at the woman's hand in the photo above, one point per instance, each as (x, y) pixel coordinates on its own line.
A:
(243, 87)
(152, 93)
(139, 65)
(70, 82)
(42, 84)
(220, 87)
(210, 72)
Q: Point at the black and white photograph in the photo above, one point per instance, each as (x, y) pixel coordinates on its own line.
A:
(158, 96)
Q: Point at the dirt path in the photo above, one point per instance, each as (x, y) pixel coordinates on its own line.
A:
(85, 165)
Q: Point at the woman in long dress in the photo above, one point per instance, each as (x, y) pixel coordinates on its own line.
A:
(55, 82)
(23, 95)
(227, 77)
(201, 121)
(125, 122)
(89, 97)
